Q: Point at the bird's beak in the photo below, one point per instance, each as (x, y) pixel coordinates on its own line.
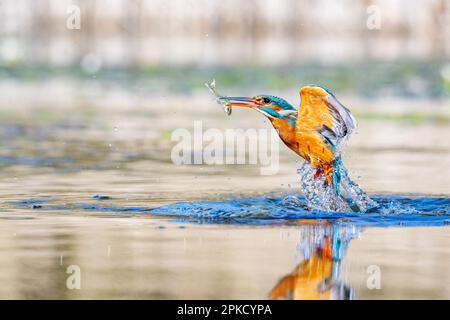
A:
(242, 102)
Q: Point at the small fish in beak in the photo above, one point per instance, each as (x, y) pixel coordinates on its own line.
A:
(229, 102)
(222, 100)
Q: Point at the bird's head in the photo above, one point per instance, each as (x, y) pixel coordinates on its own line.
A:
(271, 106)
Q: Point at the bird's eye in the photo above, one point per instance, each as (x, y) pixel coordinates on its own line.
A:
(266, 100)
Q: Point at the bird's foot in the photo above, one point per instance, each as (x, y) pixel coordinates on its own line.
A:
(327, 171)
(318, 173)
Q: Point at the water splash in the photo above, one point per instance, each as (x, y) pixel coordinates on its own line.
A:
(266, 210)
(320, 196)
(390, 211)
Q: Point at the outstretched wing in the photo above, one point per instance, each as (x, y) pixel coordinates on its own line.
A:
(321, 111)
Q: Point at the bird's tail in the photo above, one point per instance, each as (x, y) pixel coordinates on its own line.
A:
(337, 175)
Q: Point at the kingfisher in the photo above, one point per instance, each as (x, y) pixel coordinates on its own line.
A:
(314, 131)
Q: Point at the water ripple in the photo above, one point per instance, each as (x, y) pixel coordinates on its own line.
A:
(264, 210)
(391, 211)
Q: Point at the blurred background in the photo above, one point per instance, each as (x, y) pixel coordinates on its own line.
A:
(396, 47)
(124, 33)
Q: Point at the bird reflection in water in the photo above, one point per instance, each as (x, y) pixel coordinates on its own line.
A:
(318, 276)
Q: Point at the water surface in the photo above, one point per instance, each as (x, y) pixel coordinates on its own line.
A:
(97, 189)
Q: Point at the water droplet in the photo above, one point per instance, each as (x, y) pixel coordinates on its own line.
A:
(100, 197)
